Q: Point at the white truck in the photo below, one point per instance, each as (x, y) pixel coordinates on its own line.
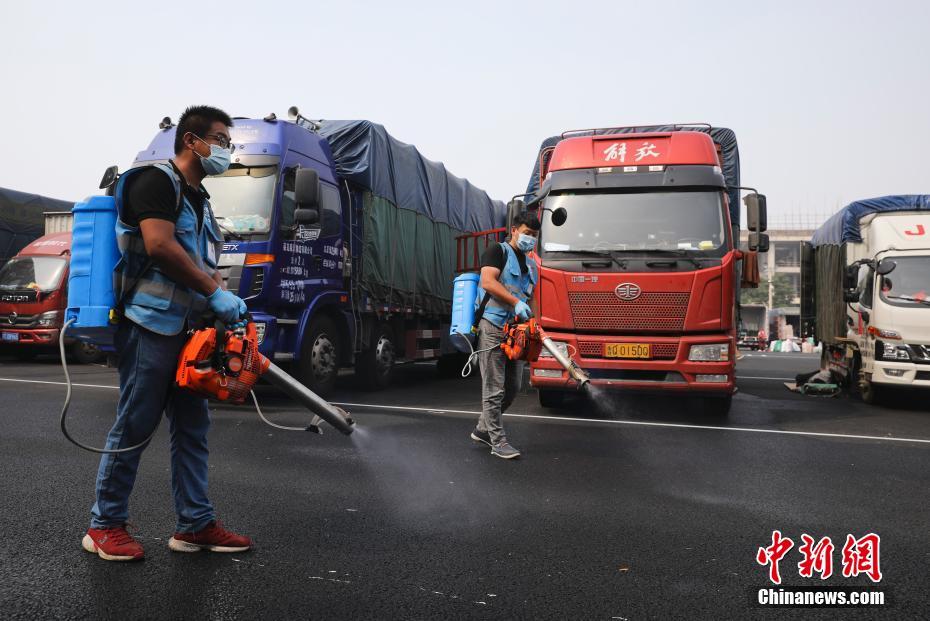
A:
(866, 293)
(753, 323)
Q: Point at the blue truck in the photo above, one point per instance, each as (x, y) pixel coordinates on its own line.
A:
(342, 241)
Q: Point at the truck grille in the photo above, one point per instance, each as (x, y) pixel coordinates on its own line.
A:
(655, 312)
(660, 351)
(17, 321)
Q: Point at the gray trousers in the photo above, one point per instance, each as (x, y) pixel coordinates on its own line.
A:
(500, 381)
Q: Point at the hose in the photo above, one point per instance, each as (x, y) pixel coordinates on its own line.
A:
(67, 403)
(311, 427)
(473, 356)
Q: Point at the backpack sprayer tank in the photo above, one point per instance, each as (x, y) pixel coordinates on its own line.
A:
(94, 255)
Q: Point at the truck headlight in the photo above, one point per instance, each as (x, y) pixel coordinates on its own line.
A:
(890, 351)
(562, 346)
(715, 352)
(49, 319)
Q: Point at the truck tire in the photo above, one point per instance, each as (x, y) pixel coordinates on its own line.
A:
(450, 366)
(551, 398)
(717, 407)
(869, 392)
(85, 353)
(318, 366)
(374, 367)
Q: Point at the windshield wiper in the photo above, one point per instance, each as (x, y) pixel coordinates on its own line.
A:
(908, 298)
(227, 230)
(679, 253)
(604, 255)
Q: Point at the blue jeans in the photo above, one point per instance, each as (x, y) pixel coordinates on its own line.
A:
(147, 365)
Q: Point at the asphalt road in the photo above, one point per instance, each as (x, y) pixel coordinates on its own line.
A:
(629, 509)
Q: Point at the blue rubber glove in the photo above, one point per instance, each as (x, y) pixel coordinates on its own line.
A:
(522, 311)
(227, 306)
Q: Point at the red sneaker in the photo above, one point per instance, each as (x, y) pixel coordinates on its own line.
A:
(214, 538)
(112, 544)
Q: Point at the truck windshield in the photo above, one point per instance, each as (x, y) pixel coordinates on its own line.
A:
(242, 198)
(909, 283)
(683, 222)
(36, 273)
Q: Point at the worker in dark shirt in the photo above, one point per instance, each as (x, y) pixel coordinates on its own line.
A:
(169, 243)
(507, 283)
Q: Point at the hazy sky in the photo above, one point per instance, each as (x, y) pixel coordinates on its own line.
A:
(830, 101)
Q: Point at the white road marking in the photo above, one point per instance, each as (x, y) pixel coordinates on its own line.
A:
(25, 381)
(407, 408)
(643, 423)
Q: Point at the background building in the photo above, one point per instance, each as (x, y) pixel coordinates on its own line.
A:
(780, 268)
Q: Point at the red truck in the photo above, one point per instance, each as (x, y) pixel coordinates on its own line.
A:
(33, 298)
(639, 261)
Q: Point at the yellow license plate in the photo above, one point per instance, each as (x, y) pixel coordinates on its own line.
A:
(627, 350)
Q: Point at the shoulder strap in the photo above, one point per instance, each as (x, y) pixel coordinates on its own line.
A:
(480, 312)
(148, 264)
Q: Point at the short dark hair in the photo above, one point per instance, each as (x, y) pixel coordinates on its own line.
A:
(527, 218)
(198, 120)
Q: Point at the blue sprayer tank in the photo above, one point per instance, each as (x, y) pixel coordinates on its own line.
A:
(94, 255)
(464, 292)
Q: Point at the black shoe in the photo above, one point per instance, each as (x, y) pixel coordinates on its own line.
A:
(481, 436)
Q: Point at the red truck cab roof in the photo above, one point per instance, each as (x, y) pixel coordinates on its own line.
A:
(52, 245)
(647, 149)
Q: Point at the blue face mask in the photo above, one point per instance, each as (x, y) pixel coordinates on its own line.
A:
(217, 162)
(526, 243)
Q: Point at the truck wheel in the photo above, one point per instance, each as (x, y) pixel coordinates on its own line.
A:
(450, 366)
(717, 407)
(318, 366)
(85, 353)
(551, 398)
(869, 392)
(374, 367)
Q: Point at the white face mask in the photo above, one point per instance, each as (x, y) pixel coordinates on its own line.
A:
(218, 161)
(526, 243)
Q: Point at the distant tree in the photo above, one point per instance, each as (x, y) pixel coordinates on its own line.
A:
(783, 292)
(759, 295)
(782, 295)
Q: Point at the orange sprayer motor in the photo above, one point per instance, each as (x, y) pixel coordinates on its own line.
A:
(525, 341)
(226, 373)
(225, 364)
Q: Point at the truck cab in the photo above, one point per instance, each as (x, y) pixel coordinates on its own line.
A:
(33, 297)
(888, 317)
(283, 253)
(638, 264)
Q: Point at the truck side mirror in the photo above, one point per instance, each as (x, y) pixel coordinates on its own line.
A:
(514, 208)
(307, 189)
(306, 216)
(851, 277)
(559, 216)
(850, 296)
(759, 242)
(885, 267)
(756, 212)
(110, 175)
